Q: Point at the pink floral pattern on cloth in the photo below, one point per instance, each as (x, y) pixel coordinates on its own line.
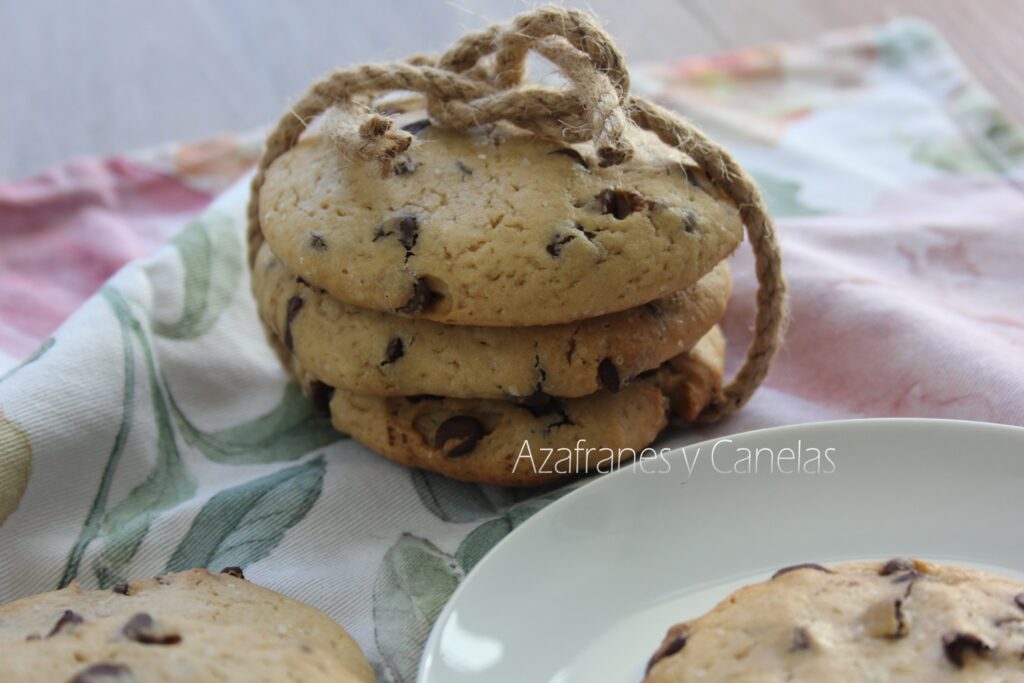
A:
(154, 430)
(64, 232)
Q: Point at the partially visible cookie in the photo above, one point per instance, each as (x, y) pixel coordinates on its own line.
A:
(200, 602)
(143, 648)
(370, 352)
(896, 621)
(514, 444)
(494, 226)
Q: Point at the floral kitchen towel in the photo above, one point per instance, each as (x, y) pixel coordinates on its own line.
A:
(154, 431)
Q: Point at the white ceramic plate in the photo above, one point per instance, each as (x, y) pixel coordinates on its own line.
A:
(585, 589)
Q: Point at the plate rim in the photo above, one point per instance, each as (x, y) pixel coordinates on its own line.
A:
(431, 643)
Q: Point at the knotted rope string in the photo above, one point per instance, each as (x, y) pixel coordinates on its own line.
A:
(479, 80)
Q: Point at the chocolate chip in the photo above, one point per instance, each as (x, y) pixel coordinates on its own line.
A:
(32, 636)
(66, 620)
(466, 170)
(654, 308)
(536, 399)
(408, 232)
(233, 571)
(620, 203)
(321, 395)
(801, 640)
(608, 375)
(416, 126)
(674, 643)
(805, 565)
(317, 242)
(1019, 600)
(419, 398)
(572, 154)
(121, 588)
(586, 233)
(957, 644)
(540, 404)
(104, 672)
(557, 242)
(142, 629)
(895, 565)
(458, 435)
(395, 350)
(421, 299)
(294, 306)
(689, 222)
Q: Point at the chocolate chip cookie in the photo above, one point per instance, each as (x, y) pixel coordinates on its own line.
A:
(366, 351)
(494, 226)
(188, 626)
(896, 620)
(528, 442)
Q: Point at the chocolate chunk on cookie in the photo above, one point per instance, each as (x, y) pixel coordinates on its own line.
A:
(458, 435)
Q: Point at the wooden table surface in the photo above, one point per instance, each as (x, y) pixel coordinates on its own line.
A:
(110, 75)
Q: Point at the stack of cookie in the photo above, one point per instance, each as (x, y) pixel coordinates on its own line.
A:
(496, 297)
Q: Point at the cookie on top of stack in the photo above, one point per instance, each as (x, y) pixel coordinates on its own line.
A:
(463, 296)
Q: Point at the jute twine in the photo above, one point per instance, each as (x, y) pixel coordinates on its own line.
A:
(479, 80)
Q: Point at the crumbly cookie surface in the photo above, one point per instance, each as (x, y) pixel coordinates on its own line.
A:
(371, 352)
(495, 227)
(517, 444)
(900, 620)
(64, 632)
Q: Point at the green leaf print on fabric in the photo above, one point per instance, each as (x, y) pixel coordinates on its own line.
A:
(211, 252)
(125, 525)
(91, 527)
(244, 524)
(451, 500)
(36, 355)
(168, 483)
(783, 197)
(415, 581)
(289, 431)
(480, 540)
(416, 578)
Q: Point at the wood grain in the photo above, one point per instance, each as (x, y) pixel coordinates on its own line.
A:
(110, 75)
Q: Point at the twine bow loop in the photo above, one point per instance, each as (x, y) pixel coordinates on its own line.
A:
(480, 80)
